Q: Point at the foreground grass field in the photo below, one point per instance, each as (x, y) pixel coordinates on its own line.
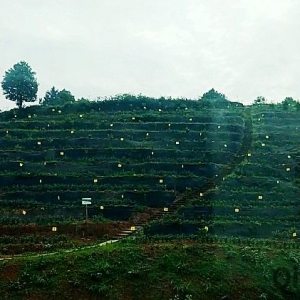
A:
(204, 268)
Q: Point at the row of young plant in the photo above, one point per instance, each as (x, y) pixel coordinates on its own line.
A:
(120, 170)
(137, 135)
(141, 117)
(105, 198)
(88, 125)
(170, 144)
(93, 155)
(122, 106)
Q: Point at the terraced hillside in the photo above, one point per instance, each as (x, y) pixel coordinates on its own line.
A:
(134, 162)
(261, 197)
(172, 166)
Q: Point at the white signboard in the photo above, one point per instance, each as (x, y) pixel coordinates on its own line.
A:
(86, 201)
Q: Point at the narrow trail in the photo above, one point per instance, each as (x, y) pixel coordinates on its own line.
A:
(180, 200)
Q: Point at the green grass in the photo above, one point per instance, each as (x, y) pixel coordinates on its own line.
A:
(156, 270)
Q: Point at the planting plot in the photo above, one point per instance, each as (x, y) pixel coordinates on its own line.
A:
(198, 169)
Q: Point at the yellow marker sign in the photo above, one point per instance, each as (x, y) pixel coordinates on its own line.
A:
(177, 143)
(147, 134)
(161, 181)
(133, 118)
(289, 156)
(40, 180)
(39, 143)
(225, 145)
(58, 197)
(53, 109)
(267, 136)
(288, 169)
(21, 164)
(6, 131)
(201, 194)
(119, 165)
(54, 228)
(263, 144)
(166, 209)
(236, 210)
(191, 119)
(95, 180)
(101, 207)
(80, 116)
(72, 131)
(122, 196)
(29, 116)
(249, 154)
(132, 228)
(152, 153)
(59, 111)
(206, 228)
(111, 125)
(159, 109)
(24, 212)
(219, 127)
(61, 153)
(294, 234)
(122, 139)
(260, 197)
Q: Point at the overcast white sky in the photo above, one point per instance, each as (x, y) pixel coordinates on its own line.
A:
(242, 48)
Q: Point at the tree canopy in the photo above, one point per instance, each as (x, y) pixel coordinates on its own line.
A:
(57, 98)
(260, 100)
(213, 95)
(19, 84)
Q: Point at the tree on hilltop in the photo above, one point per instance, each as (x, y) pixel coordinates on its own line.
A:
(260, 100)
(51, 96)
(57, 98)
(213, 95)
(290, 104)
(19, 84)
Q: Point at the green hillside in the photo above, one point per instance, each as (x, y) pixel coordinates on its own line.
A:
(201, 173)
